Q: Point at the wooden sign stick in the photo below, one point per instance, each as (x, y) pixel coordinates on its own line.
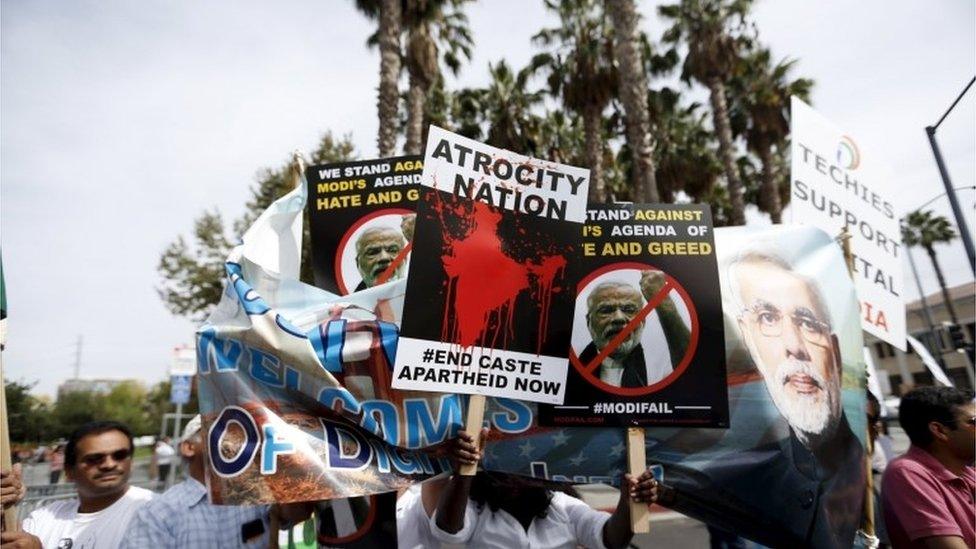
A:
(10, 515)
(472, 425)
(845, 245)
(640, 514)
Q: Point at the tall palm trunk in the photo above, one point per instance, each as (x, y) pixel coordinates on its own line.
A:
(389, 95)
(720, 119)
(593, 138)
(769, 193)
(633, 95)
(942, 284)
(416, 96)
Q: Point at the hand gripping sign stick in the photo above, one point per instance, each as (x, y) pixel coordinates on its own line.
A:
(472, 425)
(845, 244)
(640, 513)
(9, 515)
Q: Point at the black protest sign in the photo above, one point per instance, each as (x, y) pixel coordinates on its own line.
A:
(648, 343)
(360, 522)
(361, 220)
(488, 305)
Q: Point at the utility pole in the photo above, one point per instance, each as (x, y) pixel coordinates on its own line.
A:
(78, 357)
(967, 239)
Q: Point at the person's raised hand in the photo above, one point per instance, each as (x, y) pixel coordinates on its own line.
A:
(651, 282)
(12, 488)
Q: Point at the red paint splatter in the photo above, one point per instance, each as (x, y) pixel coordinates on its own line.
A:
(484, 283)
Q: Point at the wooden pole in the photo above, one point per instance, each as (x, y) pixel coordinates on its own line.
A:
(845, 244)
(640, 514)
(6, 463)
(472, 424)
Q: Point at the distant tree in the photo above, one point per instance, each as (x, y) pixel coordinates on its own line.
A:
(580, 70)
(925, 229)
(501, 113)
(628, 54)
(684, 150)
(761, 93)
(713, 31)
(75, 409)
(437, 32)
(192, 276)
(388, 14)
(29, 418)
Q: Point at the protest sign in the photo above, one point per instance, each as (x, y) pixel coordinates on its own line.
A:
(361, 221)
(835, 184)
(488, 310)
(285, 427)
(647, 345)
(184, 361)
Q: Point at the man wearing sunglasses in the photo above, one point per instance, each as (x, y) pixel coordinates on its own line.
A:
(98, 459)
(929, 492)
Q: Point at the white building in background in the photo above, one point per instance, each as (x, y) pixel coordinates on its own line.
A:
(906, 369)
(97, 386)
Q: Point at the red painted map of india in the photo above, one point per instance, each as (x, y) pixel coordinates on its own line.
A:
(483, 284)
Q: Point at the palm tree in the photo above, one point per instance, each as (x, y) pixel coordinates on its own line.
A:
(925, 229)
(762, 93)
(712, 31)
(431, 25)
(684, 150)
(581, 72)
(388, 39)
(633, 95)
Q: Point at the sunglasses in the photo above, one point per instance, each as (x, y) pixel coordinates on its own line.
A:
(94, 460)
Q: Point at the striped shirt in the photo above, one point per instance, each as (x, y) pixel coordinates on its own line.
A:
(182, 517)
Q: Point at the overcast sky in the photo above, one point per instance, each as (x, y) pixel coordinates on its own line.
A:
(120, 122)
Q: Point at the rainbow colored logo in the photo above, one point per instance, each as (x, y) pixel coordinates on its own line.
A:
(848, 155)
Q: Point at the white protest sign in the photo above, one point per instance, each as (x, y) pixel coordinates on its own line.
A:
(488, 308)
(184, 361)
(836, 184)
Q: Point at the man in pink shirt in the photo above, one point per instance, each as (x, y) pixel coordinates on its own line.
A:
(929, 492)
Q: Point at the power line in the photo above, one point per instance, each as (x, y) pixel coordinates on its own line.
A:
(953, 105)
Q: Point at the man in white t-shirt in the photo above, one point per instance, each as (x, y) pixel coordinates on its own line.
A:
(98, 459)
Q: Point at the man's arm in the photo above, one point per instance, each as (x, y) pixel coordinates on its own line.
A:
(643, 489)
(19, 540)
(454, 497)
(943, 542)
(675, 331)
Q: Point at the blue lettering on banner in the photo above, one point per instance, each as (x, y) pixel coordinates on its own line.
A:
(266, 368)
(385, 418)
(217, 353)
(389, 336)
(336, 456)
(249, 299)
(234, 466)
(273, 447)
(421, 430)
(334, 340)
(516, 418)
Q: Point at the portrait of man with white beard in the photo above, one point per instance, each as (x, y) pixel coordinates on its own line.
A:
(785, 325)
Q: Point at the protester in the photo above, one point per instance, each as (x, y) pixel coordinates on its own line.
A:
(929, 492)
(183, 516)
(609, 308)
(497, 510)
(879, 462)
(56, 461)
(98, 459)
(163, 455)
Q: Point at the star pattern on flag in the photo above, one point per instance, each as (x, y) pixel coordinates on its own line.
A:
(526, 448)
(576, 461)
(617, 449)
(560, 438)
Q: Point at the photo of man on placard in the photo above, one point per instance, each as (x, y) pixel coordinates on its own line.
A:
(373, 248)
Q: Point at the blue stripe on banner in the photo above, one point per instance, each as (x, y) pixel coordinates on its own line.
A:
(335, 339)
(388, 339)
(288, 326)
(315, 338)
